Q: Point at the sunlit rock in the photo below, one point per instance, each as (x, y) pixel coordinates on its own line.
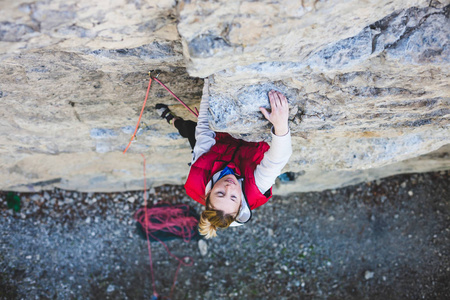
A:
(367, 83)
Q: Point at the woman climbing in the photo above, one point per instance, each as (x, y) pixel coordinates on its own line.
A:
(229, 176)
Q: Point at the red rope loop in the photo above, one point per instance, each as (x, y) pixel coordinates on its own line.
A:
(171, 219)
(168, 218)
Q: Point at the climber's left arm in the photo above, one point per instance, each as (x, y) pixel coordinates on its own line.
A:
(281, 149)
(274, 161)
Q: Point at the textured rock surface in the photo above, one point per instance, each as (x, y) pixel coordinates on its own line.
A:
(361, 98)
(367, 83)
(71, 91)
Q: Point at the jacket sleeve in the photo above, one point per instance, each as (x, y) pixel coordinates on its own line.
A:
(204, 136)
(273, 162)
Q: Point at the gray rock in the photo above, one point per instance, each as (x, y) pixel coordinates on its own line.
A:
(368, 275)
(111, 288)
(203, 247)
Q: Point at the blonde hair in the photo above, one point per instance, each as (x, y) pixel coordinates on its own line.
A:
(212, 219)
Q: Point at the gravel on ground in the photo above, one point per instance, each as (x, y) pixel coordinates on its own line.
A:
(386, 239)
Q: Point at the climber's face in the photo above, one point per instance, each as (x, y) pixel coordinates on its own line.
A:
(226, 195)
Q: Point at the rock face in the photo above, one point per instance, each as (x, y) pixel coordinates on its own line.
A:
(367, 84)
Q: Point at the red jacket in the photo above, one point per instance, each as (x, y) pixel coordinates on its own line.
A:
(241, 156)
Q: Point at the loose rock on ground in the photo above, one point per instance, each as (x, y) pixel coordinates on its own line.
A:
(386, 239)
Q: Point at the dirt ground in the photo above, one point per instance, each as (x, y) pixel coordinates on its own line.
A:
(388, 239)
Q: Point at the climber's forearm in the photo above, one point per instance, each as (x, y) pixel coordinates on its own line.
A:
(281, 129)
(281, 149)
(204, 136)
(274, 161)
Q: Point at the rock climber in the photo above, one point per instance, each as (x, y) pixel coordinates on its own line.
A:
(229, 176)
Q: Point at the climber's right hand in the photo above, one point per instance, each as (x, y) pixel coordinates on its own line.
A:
(279, 112)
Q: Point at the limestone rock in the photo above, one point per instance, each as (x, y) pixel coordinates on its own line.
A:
(222, 35)
(72, 89)
(367, 84)
(365, 101)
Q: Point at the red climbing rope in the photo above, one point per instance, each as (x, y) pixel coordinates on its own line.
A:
(171, 219)
(168, 218)
(146, 224)
(145, 101)
(184, 104)
(140, 116)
